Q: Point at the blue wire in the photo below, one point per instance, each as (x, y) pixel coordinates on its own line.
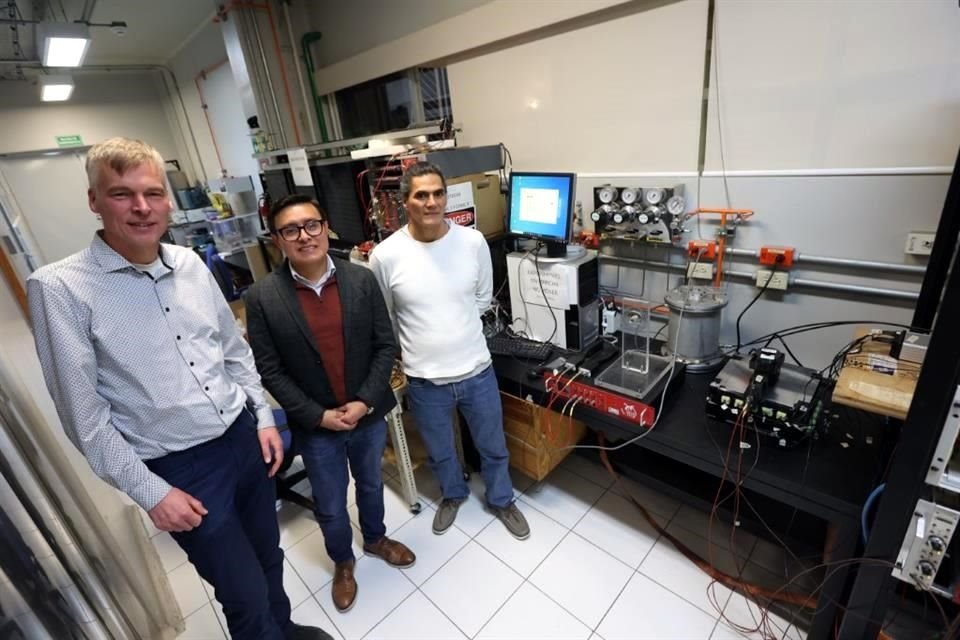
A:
(867, 507)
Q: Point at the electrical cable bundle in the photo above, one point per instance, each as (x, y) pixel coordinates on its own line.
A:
(768, 629)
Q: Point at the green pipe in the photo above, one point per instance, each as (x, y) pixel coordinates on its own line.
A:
(309, 38)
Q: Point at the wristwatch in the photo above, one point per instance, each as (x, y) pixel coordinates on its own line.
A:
(369, 410)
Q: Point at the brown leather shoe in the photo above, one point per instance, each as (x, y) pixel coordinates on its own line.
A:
(344, 589)
(394, 553)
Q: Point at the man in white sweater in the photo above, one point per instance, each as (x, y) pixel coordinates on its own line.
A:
(437, 281)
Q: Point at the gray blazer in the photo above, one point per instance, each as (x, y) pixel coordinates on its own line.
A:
(290, 363)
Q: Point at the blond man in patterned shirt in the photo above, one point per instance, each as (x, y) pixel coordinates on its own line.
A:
(156, 387)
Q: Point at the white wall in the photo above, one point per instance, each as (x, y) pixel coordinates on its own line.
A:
(817, 84)
(486, 25)
(349, 28)
(103, 105)
(57, 221)
(597, 98)
(803, 85)
(203, 51)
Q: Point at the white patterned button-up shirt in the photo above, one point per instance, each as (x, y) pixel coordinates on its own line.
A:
(140, 363)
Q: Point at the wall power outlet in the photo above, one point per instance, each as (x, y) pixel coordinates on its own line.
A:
(781, 279)
(700, 270)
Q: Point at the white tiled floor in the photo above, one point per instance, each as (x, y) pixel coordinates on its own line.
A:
(593, 569)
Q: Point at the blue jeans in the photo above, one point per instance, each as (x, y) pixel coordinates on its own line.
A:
(236, 548)
(325, 455)
(478, 399)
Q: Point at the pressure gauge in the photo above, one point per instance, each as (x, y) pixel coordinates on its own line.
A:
(653, 196)
(676, 205)
(618, 217)
(643, 218)
(607, 194)
(604, 212)
(630, 196)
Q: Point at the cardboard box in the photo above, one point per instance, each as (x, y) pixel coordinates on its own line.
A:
(536, 436)
(239, 312)
(483, 200)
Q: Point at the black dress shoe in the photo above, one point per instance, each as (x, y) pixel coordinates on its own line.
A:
(303, 632)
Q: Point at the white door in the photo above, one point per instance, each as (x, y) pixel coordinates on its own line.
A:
(49, 194)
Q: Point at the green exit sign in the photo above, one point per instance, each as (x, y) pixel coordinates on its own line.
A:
(69, 141)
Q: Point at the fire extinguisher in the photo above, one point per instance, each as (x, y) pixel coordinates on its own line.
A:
(263, 208)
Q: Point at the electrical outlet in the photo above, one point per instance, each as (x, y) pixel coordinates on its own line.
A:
(702, 270)
(610, 321)
(781, 279)
(919, 243)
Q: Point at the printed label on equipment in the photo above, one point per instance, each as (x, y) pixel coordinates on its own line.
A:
(459, 197)
(461, 209)
(554, 285)
(465, 218)
(300, 168)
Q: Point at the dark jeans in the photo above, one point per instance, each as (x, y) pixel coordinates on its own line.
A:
(237, 546)
(326, 455)
(478, 399)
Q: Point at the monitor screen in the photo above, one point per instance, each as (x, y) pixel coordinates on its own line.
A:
(541, 205)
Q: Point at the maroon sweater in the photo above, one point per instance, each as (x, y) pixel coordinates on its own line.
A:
(325, 318)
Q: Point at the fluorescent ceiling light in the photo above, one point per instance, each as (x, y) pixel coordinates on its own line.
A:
(55, 88)
(64, 44)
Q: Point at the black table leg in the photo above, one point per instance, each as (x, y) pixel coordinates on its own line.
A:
(843, 547)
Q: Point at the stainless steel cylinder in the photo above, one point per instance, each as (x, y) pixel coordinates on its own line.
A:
(693, 332)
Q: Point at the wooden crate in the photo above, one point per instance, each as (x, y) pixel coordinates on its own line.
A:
(535, 436)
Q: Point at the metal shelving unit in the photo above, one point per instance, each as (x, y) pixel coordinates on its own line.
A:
(938, 309)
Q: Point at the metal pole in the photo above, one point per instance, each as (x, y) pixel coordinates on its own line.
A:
(938, 265)
(867, 265)
(833, 172)
(639, 262)
(852, 263)
(266, 74)
(897, 294)
(296, 66)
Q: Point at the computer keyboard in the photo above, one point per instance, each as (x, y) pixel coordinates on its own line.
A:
(502, 345)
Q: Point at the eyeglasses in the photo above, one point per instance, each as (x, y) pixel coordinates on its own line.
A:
(291, 232)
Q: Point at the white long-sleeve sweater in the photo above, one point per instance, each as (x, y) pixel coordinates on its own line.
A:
(436, 292)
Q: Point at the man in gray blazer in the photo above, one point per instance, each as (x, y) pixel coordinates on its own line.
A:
(324, 347)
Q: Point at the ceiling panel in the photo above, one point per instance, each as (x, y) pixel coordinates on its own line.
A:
(155, 30)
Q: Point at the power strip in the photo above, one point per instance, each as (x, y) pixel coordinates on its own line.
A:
(623, 407)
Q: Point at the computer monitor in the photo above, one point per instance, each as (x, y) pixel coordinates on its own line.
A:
(541, 207)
